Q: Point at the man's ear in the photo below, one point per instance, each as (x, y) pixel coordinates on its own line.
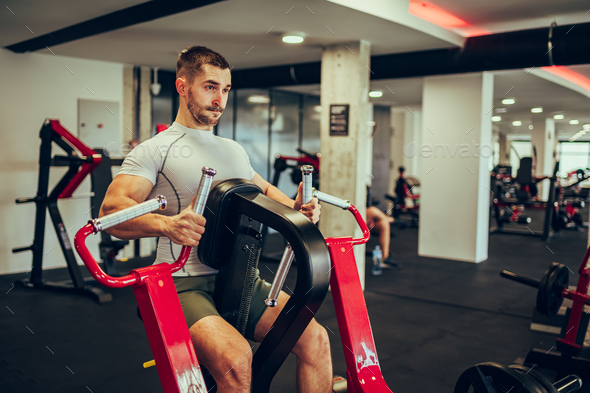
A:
(181, 86)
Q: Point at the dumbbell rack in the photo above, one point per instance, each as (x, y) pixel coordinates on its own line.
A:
(552, 290)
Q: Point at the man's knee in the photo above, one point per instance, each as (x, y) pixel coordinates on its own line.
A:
(314, 343)
(233, 365)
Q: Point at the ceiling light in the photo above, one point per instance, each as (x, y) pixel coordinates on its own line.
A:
(501, 110)
(517, 123)
(293, 38)
(496, 118)
(530, 127)
(376, 93)
(508, 101)
(537, 110)
(574, 122)
(258, 99)
(586, 127)
(559, 117)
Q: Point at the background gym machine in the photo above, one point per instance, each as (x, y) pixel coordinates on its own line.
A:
(511, 196)
(81, 161)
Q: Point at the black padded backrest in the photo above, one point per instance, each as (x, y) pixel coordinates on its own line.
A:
(216, 242)
(524, 174)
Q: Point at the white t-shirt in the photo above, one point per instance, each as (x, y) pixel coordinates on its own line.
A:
(172, 161)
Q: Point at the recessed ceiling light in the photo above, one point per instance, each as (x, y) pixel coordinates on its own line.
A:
(559, 117)
(508, 101)
(574, 122)
(517, 123)
(293, 38)
(501, 110)
(537, 110)
(586, 127)
(376, 93)
(496, 118)
(530, 126)
(258, 99)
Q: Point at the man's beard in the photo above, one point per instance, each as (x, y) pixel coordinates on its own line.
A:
(199, 112)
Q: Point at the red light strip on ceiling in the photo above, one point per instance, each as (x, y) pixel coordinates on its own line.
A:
(570, 76)
(436, 15)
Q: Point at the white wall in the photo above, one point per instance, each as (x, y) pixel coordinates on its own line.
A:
(35, 87)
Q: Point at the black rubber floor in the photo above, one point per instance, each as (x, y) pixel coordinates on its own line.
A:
(431, 320)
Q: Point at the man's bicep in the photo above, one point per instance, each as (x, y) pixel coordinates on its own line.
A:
(133, 188)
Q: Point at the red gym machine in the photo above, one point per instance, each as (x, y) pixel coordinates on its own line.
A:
(171, 345)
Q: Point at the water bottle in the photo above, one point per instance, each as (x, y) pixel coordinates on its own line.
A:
(377, 259)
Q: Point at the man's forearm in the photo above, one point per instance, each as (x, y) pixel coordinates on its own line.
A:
(148, 225)
(279, 196)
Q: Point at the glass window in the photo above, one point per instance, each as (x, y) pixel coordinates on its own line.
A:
(284, 113)
(312, 110)
(252, 127)
(573, 156)
(225, 126)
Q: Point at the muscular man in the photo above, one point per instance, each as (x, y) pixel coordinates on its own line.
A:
(169, 164)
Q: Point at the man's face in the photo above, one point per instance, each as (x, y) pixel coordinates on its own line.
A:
(207, 96)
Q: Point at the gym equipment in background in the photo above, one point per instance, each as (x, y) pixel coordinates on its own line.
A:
(512, 196)
(497, 378)
(101, 177)
(571, 199)
(283, 163)
(552, 290)
(80, 160)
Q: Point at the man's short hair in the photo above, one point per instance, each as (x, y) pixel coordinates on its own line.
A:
(190, 61)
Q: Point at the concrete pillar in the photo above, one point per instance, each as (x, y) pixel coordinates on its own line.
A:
(345, 81)
(145, 105)
(129, 132)
(543, 138)
(456, 148)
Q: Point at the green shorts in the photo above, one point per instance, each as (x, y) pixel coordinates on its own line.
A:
(196, 299)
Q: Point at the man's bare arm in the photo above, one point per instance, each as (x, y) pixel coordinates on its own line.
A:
(126, 191)
(310, 210)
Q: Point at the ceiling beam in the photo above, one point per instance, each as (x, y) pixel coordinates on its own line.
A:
(126, 17)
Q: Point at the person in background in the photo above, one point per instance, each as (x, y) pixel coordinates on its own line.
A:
(380, 224)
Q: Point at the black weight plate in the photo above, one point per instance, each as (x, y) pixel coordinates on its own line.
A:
(493, 377)
(549, 298)
(542, 300)
(558, 280)
(544, 384)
